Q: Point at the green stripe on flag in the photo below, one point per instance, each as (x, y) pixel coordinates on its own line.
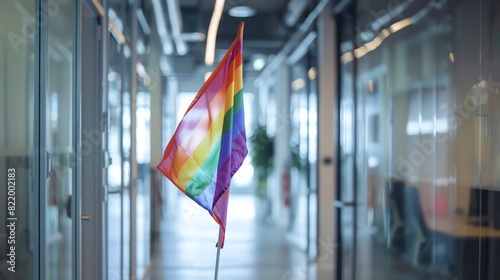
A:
(205, 174)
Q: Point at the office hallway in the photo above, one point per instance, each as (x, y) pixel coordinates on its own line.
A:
(253, 250)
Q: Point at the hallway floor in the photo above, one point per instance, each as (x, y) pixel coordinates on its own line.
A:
(253, 250)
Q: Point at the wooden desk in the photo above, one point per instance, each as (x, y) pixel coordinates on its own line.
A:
(470, 250)
(459, 227)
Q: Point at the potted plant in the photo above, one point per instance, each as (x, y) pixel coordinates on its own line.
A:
(262, 157)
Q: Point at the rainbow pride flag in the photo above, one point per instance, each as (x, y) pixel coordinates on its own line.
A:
(209, 145)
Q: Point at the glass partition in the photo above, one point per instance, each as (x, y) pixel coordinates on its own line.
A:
(60, 130)
(143, 181)
(304, 147)
(18, 139)
(126, 120)
(425, 163)
(115, 218)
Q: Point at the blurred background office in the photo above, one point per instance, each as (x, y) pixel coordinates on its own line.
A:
(371, 127)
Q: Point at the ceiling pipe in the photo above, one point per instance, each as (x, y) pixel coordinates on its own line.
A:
(161, 25)
(175, 16)
(292, 43)
(143, 22)
(294, 10)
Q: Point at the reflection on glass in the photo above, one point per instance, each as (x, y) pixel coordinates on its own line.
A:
(427, 160)
(18, 124)
(143, 116)
(303, 157)
(60, 131)
(115, 175)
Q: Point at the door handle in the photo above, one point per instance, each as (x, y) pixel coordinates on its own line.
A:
(48, 165)
(114, 191)
(86, 217)
(341, 204)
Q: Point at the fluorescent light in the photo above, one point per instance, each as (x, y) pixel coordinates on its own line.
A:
(347, 57)
(373, 44)
(207, 75)
(112, 76)
(298, 84)
(259, 63)
(312, 73)
(242, 11)
(361, 51)
(384, 33)
(372, 162)
(377, 41)
(400, 25)
(212, 32)
(141, 71)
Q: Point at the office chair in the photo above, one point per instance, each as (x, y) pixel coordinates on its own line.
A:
(421, 244)
(397, 210)
(428, 249)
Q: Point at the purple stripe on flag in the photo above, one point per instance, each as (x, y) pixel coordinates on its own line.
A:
(207, 197)
(230, 166)
(230, 135)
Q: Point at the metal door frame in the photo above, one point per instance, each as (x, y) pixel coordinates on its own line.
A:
(92, 133)
(342, 9)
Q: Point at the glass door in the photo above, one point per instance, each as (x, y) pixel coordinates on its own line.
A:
(115, 217)
(304, 146)
(19, 141)
(59, 100)
(299, 148)
(312, 156)
(94, 157)
(418, 185)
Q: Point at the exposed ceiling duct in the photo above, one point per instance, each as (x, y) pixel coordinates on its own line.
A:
(294, 10)
(174, 13)
(161, 25)
(143, 22)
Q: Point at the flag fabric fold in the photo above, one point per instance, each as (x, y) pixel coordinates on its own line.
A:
(209, 144)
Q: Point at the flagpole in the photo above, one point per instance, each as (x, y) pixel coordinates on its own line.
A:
(218, 254)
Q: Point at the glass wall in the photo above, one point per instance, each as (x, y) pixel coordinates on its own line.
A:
(115, 171)
(60, 130)
(18, 139)
(304, 145)
(419, 155)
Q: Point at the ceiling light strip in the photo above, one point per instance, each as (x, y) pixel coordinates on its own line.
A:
(376, 42)
(116, 32)
(111, 24)
(212, 32)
